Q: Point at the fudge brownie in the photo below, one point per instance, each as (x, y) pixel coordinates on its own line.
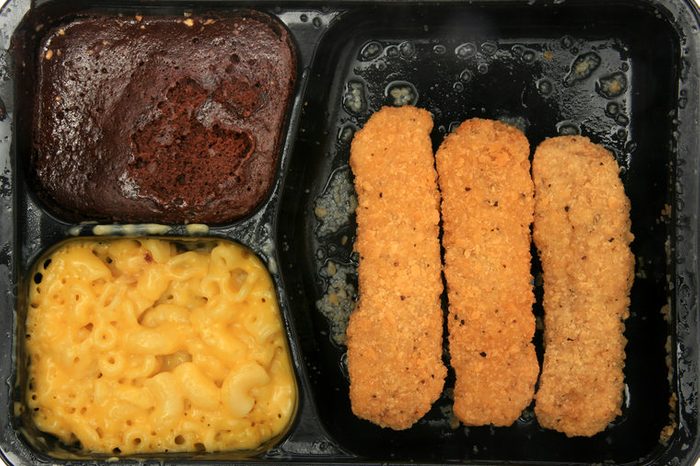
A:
(161, 119)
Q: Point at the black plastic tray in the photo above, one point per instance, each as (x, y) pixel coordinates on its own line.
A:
(511, 60)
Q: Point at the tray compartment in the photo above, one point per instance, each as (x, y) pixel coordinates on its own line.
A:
(171, 133)
(128, 250)
(550, 71)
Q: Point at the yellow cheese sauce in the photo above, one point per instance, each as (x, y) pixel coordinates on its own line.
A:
(139, 346)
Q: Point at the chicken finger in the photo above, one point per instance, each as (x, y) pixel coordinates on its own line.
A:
(487, 209)
(582, 232)
(394, 336)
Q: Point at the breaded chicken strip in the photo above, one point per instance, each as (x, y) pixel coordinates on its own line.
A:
(394, 336)
(582, 232)
(487, 209)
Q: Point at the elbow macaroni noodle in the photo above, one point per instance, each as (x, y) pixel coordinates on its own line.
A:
(135, 346)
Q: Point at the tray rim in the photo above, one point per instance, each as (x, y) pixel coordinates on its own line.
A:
(685, 6)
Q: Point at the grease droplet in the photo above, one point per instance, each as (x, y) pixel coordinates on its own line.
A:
(545, 86)
(317, 22)
(345, 134)
(583, 67)
(612, 109)
(489, 48)
(370, 51)
(304, 18)
(458, 86)
(517, 50)
(622, 120)
(466, 50)
(482, 68)
(466, 76)
(612, 85)
(567, 128)
(354, 98)
(528, 56)
(407, 49)
(392, 51)
(439, 49)
(401, 93)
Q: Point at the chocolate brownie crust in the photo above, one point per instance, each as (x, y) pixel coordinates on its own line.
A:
(161, 119)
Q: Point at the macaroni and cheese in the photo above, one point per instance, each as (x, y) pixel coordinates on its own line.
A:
(141, 346)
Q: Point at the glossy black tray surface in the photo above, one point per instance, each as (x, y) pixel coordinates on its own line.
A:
(623, 73)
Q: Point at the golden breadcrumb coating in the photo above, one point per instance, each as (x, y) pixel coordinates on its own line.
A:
(582, 232)
(394, 336)
(487, 209)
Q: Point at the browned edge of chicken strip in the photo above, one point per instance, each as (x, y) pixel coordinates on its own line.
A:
(582, 232)
(394, 336)
(487, 209)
